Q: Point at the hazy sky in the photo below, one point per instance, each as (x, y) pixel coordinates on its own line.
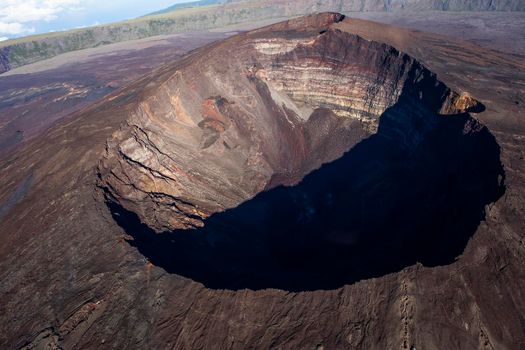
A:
(25, 17)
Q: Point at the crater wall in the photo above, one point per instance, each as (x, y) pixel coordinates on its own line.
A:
(257, 111)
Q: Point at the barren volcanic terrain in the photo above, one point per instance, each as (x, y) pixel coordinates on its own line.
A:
(35, 96)
(311, 184)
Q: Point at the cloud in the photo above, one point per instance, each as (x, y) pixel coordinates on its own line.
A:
(3, 38)
(14, 28)
(34, 10)
(16, 14)
(23, 17)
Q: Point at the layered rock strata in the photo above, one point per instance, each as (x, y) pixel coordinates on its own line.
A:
(257, 111)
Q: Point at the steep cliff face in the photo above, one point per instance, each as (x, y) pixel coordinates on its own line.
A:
(4, 59)
(396, 5)
(258, 111)
(255, 112)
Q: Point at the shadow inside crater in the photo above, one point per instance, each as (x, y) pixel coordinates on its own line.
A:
(415, 191)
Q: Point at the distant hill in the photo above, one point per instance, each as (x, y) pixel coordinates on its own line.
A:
(211, 14)
(186, 5)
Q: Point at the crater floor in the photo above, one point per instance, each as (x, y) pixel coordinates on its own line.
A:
(378, 209)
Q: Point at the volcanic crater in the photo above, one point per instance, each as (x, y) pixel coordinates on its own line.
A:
(299, 157)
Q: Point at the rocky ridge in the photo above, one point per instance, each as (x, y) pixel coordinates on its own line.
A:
(31, 49)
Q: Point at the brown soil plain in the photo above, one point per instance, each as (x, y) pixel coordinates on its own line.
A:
(321, 183)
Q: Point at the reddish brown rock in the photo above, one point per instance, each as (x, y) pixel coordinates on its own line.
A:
(218, 129)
